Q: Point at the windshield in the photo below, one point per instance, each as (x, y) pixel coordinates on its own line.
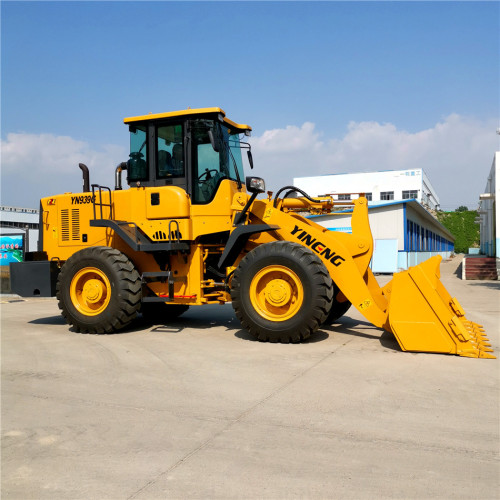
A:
(210, 166)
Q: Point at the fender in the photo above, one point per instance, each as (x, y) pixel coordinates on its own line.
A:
(237, 240)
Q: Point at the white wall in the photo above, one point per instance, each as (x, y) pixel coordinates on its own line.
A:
(430, 196)
(19, 215)
(371, 182)
(388, 223)
(489, 211)
(385, 222)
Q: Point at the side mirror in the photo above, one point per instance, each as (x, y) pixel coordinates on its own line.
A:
(250, 158)
(212, 140)
(255, 185)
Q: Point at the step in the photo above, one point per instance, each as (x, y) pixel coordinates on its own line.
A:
(478, 261)
(486, 275)
(479, 267)
(492, 277)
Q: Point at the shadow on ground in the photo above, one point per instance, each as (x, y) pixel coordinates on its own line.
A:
(345, 326)
(206, 317)
(495, 285)
(348, 326)
(49, 320)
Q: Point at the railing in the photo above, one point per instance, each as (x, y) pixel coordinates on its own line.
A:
(101, 204)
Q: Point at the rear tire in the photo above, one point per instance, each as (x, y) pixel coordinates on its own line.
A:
(99, 290)
(281, 292)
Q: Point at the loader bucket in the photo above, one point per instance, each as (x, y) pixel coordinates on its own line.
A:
(424, 317)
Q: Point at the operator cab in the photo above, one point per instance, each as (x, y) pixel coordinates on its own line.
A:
(194, 149)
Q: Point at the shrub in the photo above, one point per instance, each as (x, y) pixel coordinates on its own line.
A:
(461, 225)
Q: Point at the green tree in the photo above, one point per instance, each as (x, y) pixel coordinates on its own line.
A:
(462, 226)
(462, 208)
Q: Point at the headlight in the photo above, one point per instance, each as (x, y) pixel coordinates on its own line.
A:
(255, 185)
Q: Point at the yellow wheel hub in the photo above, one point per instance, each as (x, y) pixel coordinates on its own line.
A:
(90, 291)
(276, 293)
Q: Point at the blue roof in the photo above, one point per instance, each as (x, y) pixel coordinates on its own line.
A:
(372, 204)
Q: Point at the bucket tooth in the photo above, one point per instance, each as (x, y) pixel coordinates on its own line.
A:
(484, 344)
(476, 352)
(486, 355)
(469, 353)
(486, 347)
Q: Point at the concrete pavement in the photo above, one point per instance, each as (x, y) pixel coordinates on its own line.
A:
(197, 409)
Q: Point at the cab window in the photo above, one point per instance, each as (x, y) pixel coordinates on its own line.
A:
(169, 152)
(138, 161)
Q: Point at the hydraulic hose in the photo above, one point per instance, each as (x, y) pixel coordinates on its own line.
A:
(291, 190)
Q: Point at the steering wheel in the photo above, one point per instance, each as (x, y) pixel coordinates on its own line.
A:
(207, 174)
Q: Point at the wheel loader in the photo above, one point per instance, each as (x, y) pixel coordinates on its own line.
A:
(189, 230)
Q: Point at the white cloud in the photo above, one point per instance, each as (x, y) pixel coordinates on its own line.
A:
(456, 154)
(38, 165)
(290, 139)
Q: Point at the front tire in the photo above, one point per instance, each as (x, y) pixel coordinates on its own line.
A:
(99, 290)
(338, 309)
(281, 292)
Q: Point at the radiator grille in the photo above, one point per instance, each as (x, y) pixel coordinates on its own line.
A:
(65, 224)
(70, 227)
(75, 224)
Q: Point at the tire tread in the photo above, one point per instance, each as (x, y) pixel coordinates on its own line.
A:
(128, 283)
(321, 281)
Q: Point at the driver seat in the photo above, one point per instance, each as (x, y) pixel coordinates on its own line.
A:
(178, 160)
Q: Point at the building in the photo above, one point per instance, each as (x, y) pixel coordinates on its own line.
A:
(388, 185)
(486, 264)
(400, 202)
(404, 232)
(490, 213)
(18, 226)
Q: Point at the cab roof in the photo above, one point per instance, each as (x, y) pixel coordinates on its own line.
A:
(185, 112)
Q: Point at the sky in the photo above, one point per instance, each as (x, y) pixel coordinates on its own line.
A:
(328, 87)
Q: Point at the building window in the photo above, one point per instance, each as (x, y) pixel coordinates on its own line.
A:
(410, 194)
(368, 196)
(344, 197)
(20, 225)
(387, 195)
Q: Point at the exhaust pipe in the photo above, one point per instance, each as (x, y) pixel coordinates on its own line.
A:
(86, 178)
(118, 175)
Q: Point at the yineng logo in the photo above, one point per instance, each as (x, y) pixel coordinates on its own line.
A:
(317, 246)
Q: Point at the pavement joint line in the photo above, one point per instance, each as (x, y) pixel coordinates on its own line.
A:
(235, 421)
(486, 456)
(90, 402)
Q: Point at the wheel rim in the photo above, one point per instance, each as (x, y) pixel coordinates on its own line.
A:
(276, 293)
(90, 291)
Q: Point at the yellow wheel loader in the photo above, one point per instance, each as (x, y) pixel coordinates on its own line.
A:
(190, 231)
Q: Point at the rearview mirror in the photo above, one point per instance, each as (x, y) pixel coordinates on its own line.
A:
(212, 140)
(250, 158)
